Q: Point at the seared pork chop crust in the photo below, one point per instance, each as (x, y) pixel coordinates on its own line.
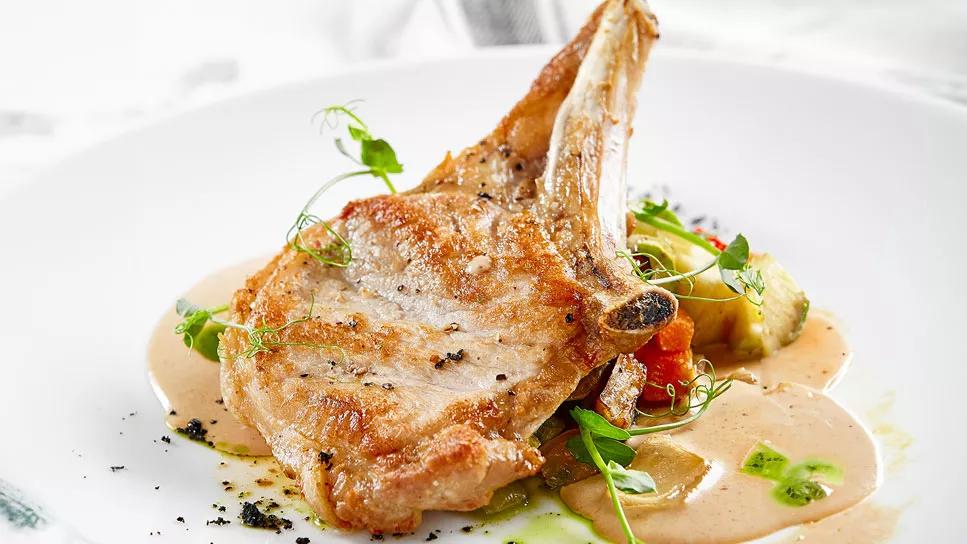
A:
(471, 309)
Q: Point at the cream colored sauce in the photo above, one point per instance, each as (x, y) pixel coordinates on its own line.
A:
(188, 383)
(727, 505)
(867, 523)
(818, 358)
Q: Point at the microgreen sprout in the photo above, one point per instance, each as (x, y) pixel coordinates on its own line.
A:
(602, 444)
(197, 332)
(733, 262)
(261, 339)
(378, 160)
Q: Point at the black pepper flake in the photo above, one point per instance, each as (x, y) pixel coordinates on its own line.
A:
(511, 393)
(172, 413)
(304, 375)
(352, 323)
(325, 458)
(483, 195)
(180, 518)
(117, 468)
(466, 528)
(439, 364)
(400, 287)
(501, 377)
(368, 384)
(195, 430)
(458, 356)
(166, 439)
(219, 521)
(569, 318)
(376, 537)
(253, 517)
(387, 386)
(302, 540)
(431, 536)
(518, 167)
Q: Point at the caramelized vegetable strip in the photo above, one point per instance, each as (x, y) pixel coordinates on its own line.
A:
(618, 399)
(668, 358)
(560, 466)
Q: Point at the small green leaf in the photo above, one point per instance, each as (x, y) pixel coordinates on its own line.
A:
(609, 449)
(799, 492)
(379, 155)
(752, 278)
(597, 425)
(736, 254)
(359, 133)
(731, 279)
(765, 462)
(185, 308)
(631, 481)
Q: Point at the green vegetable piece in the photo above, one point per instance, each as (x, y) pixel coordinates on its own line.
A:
(631, 481)
(765, 462)
(549, 429)
(596, 423)
(609, 448)
(661, 211)
(796, 492)
(811, 469)
(657, 252)
(197, 331)
(509, 497)
(206, 341)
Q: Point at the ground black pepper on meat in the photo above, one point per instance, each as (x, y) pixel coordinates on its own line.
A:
(325, 458)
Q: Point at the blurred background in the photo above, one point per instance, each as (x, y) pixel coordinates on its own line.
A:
(73, 73)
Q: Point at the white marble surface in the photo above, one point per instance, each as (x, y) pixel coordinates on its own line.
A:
(76, 73)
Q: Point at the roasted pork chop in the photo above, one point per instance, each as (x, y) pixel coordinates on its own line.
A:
(472, 306)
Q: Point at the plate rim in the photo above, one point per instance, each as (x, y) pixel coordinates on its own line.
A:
(894, 91)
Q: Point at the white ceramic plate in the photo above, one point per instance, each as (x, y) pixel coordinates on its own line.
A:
(859, 191)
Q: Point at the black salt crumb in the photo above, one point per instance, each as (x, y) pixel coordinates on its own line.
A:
(253, 517)
(195, 430)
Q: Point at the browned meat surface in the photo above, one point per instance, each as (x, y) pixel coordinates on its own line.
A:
(618, 400)
(514, 241)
